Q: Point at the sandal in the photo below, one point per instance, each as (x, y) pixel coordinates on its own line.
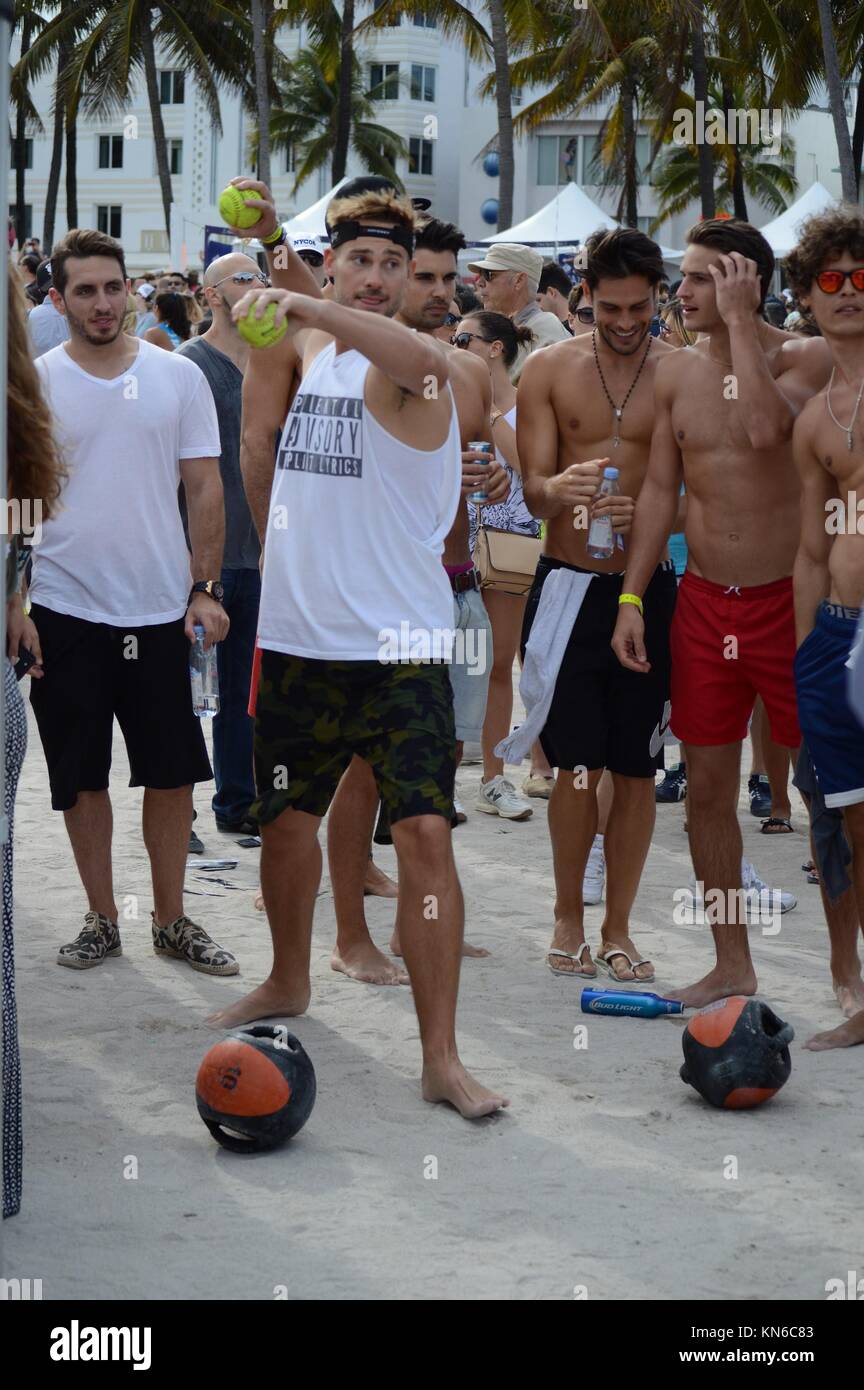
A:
(604, 960)
(572, 955)
(781, 826)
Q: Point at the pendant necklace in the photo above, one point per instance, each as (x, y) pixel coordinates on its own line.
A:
(618, 410)
(847, 429)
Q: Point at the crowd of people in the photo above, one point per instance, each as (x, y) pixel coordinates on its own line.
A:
(375, 517)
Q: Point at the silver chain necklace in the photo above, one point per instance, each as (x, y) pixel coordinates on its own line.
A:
(618, 410)
(847, 429)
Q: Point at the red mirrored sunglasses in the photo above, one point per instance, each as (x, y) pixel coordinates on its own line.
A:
(830, 281)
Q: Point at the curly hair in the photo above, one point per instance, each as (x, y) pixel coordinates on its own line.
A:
(824, 237)
(36, 470)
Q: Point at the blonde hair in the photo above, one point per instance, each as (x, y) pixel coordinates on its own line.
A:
(389, 207)
(130, 318)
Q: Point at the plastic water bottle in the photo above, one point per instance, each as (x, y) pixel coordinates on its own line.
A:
(480, 446)
(203, 677)
(628, 1003)
(601, 537)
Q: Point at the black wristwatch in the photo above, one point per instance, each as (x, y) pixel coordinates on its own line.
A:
(211, 587)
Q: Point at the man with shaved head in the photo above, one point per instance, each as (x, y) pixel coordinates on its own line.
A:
(222, 354)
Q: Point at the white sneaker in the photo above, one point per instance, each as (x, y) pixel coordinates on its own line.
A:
(500, 798)
(538, 785)
(595, 874)
(753, 883)
(459, 812)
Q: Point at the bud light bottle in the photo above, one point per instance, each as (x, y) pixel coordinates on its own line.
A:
(626, 1003)
(203, 677)
(601, 537)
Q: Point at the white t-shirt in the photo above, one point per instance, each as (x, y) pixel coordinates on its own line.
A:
(47, 327)
(352, 563)
(115, 552)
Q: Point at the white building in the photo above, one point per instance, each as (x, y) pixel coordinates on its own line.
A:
(431, 99)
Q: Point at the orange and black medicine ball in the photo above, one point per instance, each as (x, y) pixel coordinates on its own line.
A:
(256, 1088)
(736, 1053)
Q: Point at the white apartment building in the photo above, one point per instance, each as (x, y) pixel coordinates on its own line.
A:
(431, 99)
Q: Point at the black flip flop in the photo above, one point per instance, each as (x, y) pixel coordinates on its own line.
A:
(777, 821)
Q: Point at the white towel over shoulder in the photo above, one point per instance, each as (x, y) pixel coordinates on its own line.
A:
(561, 598)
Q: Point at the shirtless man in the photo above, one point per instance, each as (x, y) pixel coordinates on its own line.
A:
(724, 414)
(584, 404)
(829, 568)
(424, 306)
(342, 562)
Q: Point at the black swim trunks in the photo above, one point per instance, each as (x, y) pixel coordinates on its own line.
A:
(313, 716)
(603, 715)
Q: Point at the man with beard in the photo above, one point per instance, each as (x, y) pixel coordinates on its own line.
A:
(367, 482)
(113, 599)
(424, 306)
(584, 405)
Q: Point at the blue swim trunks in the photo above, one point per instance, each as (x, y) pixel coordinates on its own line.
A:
(830, 729)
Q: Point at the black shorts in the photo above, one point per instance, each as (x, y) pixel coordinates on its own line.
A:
(94, 672)
(313, 716)
(603, 715)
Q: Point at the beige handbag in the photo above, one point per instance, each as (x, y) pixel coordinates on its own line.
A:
(504, 560)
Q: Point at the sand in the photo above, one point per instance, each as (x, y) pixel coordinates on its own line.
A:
(604, 1180)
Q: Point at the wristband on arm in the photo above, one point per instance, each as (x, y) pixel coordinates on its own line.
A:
(632, 598)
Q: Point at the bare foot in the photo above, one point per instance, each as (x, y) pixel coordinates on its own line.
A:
(845, 1035)
(715, 985)
(475, 952)
(267, 1000)
(850, 995)
(377, 884)
(452, 1083)
(367, 964)
(258, 901)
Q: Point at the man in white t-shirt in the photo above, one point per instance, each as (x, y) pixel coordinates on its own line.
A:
(113, 599)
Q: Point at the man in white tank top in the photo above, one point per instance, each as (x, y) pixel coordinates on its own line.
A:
(356, 612)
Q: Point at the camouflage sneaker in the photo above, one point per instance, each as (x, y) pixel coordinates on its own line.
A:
(185, 940)
(99, 939)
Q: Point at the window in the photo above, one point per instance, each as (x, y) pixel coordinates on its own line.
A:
(28, 218)
(384, 76)
(565, 159)
(419, 156)
(110, 151)
(422, 83)
(175, 156)
(171, 87)
(424, 22)
(290, 159)
(395, 20)
(644, 224)
(108, 219)
(28, 154)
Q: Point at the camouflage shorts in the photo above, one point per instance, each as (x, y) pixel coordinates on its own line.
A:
(312, 717)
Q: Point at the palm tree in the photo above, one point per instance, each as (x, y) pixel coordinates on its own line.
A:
(836, 97)
(308, 118)
(676, 176)
(64, 54)
(114, 44)
(29, 20)
(261, 12)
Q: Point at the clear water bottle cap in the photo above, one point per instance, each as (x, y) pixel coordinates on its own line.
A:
(610, 472)
(198, 630)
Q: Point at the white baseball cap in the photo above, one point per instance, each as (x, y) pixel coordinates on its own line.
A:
(308, 245)
(146, 290)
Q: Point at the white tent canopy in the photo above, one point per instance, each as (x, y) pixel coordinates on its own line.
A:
(783, 233)
(570, 216)
(311, 221)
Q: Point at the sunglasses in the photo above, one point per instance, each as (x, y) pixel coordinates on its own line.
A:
(830, 281)
(461, 340)
(243, 277)
(585, 315)
(310, 258)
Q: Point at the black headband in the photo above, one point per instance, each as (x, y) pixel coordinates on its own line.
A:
(350, 231)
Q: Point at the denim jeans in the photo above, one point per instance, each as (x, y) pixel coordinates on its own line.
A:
(232, 726)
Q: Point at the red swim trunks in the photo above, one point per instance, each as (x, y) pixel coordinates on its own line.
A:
(253, 684)
(728, 646)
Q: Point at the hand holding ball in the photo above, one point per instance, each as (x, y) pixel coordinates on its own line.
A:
(261, 333)
(233, 209)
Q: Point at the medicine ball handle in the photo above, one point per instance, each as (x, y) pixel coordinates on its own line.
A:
(231, 1141)
(782, 1038)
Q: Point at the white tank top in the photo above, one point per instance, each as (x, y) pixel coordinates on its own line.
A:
(356, 528)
